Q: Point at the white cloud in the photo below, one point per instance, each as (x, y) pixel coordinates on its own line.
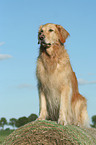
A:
(25, 86)
(85, 82)
(2, 43)
(5, 56)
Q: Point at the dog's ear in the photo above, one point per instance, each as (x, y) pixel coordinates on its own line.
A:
(63, 33)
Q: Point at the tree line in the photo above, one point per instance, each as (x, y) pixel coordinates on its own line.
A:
(94, 121)
(17, 122)
(24, 120)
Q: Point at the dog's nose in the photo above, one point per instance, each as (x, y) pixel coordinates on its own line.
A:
(41, 37)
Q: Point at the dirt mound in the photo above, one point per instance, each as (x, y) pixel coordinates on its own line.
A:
(51, 133)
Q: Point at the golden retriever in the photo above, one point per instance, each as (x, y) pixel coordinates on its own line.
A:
(59, 97)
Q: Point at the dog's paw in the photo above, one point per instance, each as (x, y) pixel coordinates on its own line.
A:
(40, 118)
(62, 122)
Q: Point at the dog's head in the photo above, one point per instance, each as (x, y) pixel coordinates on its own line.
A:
(50, 34)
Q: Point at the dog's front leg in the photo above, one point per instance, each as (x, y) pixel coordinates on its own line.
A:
(65, 105)
(43, 106)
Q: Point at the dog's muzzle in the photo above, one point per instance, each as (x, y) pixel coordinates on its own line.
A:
(42, 41)
(41, 37)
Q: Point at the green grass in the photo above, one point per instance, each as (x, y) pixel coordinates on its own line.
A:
(4, 134)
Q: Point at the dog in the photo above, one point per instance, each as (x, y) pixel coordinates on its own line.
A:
(59, 96)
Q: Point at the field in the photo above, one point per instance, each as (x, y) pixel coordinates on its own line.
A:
(4, 134)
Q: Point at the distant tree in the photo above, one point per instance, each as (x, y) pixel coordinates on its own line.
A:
(32, 117)
(3, 122)
(0, 124)
(12, 122)
(94, 121)
(21, 121)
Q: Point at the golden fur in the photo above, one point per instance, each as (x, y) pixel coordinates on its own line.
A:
(59, 97)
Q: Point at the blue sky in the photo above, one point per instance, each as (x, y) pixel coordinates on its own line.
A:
(19, 23)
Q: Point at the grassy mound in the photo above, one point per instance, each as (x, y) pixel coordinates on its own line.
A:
(51, 133)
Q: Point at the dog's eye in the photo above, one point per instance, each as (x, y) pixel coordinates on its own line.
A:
(50, 30)
(41, 30)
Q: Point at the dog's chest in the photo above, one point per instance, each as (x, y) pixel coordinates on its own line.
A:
(49, 78)
(51, 83)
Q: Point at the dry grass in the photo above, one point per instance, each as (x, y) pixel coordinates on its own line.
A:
(51, 133)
